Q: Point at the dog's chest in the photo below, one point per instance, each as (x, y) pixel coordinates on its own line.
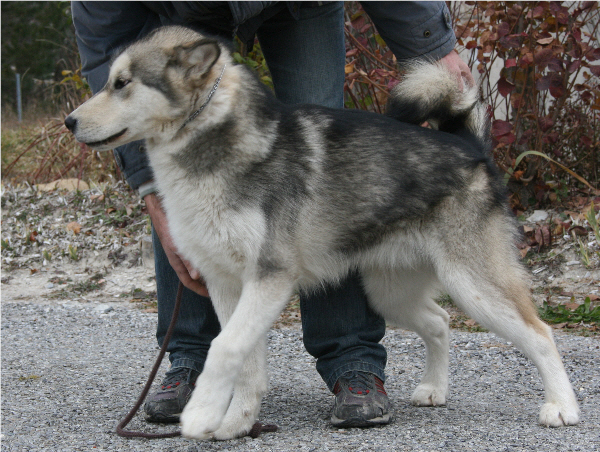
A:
(209, 232)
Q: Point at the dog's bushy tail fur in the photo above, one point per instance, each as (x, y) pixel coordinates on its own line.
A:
(429, 92)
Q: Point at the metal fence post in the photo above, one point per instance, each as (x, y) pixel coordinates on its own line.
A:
(19, 104)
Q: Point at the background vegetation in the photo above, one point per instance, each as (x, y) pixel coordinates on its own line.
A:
(538, 63)
(38, 42)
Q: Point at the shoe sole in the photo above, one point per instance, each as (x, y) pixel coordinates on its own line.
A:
(360, 422)
(160, 418)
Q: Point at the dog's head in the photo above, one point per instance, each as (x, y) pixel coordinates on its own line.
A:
(153, 86)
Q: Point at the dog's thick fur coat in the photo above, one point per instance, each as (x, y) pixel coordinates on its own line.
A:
(266, 199)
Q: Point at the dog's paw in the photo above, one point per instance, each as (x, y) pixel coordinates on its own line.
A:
(428, 395)
(555, 414)
(242, 412)
(234, 427)
(196, 423)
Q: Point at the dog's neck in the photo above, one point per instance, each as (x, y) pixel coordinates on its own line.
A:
(203, 106)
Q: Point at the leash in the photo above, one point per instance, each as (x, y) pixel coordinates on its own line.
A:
(255, 432)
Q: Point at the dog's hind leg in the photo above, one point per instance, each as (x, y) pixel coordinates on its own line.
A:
(405, 298)
(491, 288)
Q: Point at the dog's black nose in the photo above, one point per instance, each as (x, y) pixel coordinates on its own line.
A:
(70, 123)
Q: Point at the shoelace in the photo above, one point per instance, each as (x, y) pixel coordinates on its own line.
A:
(358, 383)
(176, 378)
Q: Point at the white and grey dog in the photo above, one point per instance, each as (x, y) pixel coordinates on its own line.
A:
(266, 199)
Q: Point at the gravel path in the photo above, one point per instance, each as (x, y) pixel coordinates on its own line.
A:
(71, 371)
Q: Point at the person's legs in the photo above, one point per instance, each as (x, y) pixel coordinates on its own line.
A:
(306, 58)
(197, 325)
(342, 331)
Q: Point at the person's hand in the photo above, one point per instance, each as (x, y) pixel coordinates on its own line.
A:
(188, 275)
(459, 68)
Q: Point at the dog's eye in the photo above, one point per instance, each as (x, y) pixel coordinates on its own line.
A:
(120, 83)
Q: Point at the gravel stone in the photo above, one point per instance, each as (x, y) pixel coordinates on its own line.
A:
(69, 375)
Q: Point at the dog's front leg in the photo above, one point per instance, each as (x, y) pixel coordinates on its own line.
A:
(248, 392)
(259, 306)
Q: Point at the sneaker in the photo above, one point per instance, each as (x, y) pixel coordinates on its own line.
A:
(360, 401)
(166, 404)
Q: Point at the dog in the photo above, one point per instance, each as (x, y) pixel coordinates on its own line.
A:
(266, 199)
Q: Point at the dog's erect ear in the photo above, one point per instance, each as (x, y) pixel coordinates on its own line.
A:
(198, 57)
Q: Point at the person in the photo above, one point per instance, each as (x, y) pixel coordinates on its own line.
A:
(303, 44)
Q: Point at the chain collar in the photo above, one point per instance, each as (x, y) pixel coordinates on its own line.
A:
(210, 95)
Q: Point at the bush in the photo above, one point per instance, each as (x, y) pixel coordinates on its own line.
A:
(535, 59)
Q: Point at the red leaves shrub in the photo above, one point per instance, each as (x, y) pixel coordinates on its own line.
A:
(371, 70)
(536, 64)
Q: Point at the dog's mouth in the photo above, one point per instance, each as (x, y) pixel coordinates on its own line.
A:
(107, 140)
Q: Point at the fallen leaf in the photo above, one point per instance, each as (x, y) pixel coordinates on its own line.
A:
(571, 306)
(74, 226)
(578, 230)
(543, 236)
(575, 216)
(558, 230)
(558, 326)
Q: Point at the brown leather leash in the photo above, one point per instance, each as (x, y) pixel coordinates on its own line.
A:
(255, 432)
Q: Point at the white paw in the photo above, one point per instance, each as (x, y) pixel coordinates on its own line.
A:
(205, 410)
(555, 414)
(242, 412)
(234, 426)
(197, 423)
(429, 395)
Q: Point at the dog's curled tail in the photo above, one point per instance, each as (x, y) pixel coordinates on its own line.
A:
(429, 92)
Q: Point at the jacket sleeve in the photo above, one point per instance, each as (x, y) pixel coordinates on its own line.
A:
(413, 29)
(101, 29)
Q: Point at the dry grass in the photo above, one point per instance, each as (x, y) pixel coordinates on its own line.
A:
(45, 151)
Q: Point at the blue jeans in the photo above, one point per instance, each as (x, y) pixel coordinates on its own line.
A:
(306, 58)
